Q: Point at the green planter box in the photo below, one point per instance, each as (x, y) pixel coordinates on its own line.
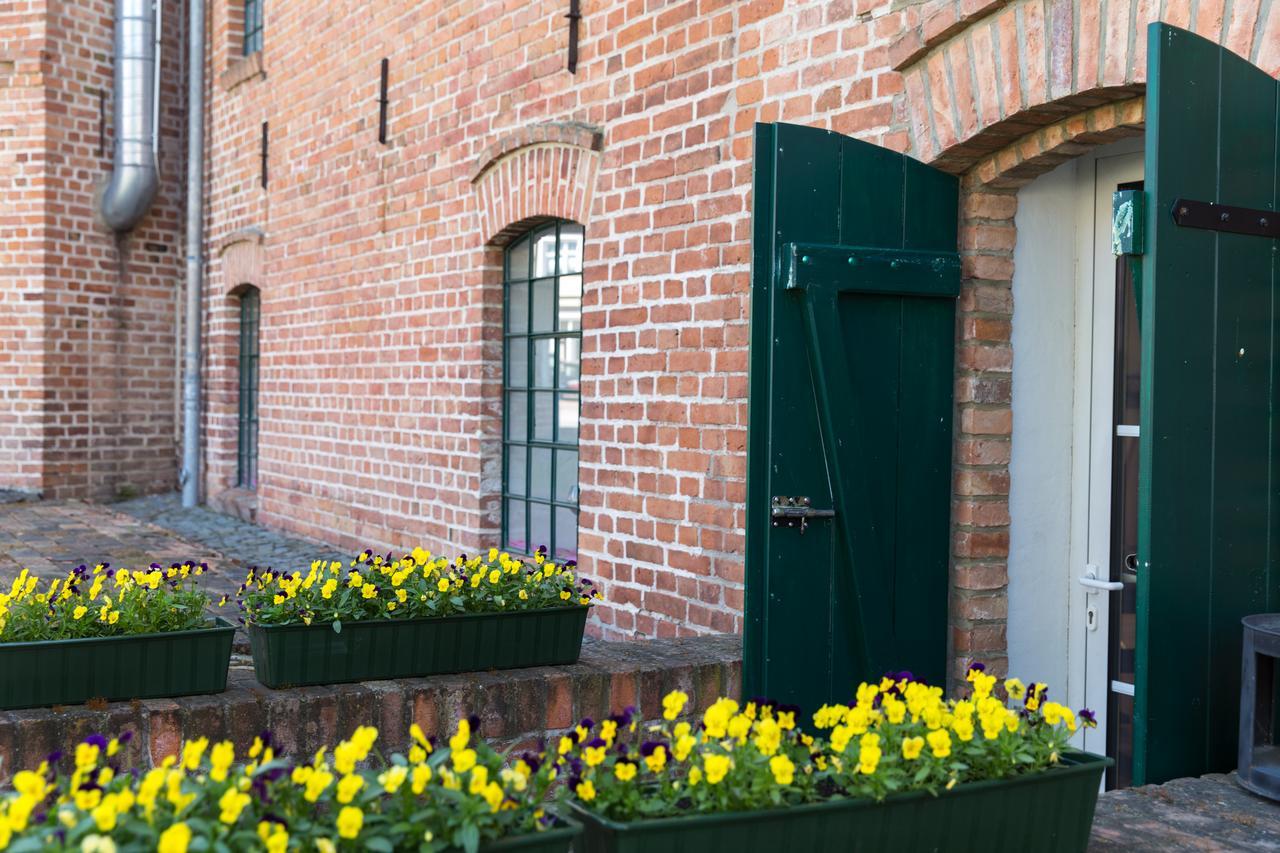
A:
(140, 666)
(1049, 812)
(298, 655)
(558, 840)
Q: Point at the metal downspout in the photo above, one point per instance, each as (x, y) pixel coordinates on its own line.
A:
(189, 477)
(134, 176)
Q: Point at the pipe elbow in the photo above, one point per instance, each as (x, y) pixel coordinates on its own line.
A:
(129, 195)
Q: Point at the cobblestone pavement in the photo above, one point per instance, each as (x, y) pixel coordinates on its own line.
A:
(1211, 813)
(1207, 814)
(243, 542)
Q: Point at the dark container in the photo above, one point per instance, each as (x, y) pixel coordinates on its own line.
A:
(298, 655)
(1047, 812)
(558, 840)
(140, 666)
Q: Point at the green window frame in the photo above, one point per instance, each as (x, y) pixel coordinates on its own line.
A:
(252, 26)
(247, 419)
(542, 346)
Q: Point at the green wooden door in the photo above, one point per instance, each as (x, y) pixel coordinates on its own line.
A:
(855, 274)
(1208, 443)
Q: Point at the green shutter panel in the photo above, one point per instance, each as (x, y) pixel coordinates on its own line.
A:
(1208, 445)
(855, 276)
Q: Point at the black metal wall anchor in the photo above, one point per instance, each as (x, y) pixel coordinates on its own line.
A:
(1225, 217)
(264, 155)
(574, 16)
(383, 101)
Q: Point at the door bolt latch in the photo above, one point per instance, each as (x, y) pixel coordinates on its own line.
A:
(796, 512)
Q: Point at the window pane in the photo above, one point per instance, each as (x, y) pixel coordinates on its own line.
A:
(515, 470)
(540, 475)
(517, 414)
(566, 534)
(570, 310)
(539, 526)
(516, 539)
(570, 249)
(518, 259)
(542, 408)
(544, 305)
(518, 307)
(567, 476)
(567, 430)
(518, 362)
(570, 349)
(544, 362)
(544, 253)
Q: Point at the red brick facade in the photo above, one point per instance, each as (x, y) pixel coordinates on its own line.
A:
(88, 358)
(379, 265)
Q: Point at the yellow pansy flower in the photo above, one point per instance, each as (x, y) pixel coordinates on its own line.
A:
(175, 839)
(350, 821)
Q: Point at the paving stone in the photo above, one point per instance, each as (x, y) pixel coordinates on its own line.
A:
(1211, 813)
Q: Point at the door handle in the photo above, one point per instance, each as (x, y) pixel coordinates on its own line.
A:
(1091, 580)
(795, 512)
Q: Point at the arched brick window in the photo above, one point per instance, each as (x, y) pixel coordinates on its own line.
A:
(247, 415)
(542, 333)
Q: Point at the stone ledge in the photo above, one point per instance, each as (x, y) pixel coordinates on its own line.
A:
(514, 706)
(241, 70)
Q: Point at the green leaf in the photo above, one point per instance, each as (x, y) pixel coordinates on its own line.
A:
(468, 838)
(337, 626)
(381, 845)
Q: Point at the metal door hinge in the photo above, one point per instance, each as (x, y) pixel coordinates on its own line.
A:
(1234, 219)
(796, 512)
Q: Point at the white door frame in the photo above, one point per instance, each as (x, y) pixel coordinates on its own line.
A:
(1089, 608)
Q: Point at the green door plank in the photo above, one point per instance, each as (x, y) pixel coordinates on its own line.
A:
(851, 367)
(1241, 537)
(1206, 523)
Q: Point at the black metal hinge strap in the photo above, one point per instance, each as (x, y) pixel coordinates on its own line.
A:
(1225, 217)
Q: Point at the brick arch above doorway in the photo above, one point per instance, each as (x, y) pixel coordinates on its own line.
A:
(978, 76)
(543, 171)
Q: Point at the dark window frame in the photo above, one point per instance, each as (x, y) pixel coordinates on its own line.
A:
(252, 42)
(247, 382)
(519, 436)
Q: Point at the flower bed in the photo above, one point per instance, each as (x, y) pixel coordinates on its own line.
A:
(901, 769)
(102, 633)
(382, 617)
(459, 796)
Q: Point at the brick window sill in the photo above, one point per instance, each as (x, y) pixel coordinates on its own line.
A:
(243, 69)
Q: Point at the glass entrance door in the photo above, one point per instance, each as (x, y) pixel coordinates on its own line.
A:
(1123, 562)
(1107, 395)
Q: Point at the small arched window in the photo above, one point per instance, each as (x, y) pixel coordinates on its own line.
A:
(247, 423)
(542, 353)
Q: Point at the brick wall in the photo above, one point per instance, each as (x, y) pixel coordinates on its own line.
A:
(87, 322)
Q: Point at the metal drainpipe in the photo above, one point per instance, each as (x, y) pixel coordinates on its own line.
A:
(134, 177)
(190, 474)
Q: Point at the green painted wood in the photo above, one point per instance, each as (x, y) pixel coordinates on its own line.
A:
(1207, 524)
(855, 274)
